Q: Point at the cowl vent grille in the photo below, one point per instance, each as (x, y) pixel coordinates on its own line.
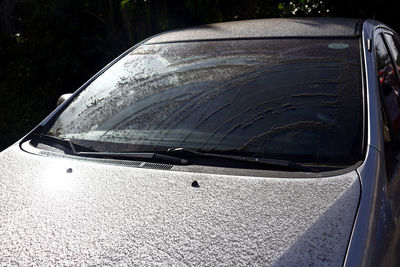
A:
(157, 166)
(135, 164)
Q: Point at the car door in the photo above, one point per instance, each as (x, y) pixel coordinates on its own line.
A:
(388, 62)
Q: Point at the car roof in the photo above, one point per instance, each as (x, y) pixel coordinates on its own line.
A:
(264, 28)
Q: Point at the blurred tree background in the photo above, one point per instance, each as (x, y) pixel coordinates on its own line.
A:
(51, 47)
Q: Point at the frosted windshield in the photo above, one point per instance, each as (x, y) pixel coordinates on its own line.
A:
(290, 98)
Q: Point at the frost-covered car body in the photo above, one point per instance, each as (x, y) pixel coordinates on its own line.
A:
(266, 142)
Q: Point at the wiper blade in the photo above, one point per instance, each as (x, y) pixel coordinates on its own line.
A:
(88, 152)
(134, 155)
(255, 160)
(66, 143)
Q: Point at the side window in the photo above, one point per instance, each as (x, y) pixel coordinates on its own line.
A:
(393, 48)
(389, 84)
(396, 59)
(389, 91)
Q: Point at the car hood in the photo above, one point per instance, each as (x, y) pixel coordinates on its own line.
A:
(70, 212)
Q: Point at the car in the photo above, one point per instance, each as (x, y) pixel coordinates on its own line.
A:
(259, 142)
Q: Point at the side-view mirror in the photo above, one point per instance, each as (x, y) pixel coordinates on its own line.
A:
(62, 98)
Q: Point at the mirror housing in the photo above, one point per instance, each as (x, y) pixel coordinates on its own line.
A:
(62, 98)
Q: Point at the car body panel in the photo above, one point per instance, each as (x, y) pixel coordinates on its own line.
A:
(72, 212)
(278, 27)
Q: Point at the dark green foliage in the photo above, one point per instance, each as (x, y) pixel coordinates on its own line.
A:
(56, 45)
(51, 47)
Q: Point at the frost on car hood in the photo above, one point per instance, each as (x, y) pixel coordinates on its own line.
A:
(70, 212)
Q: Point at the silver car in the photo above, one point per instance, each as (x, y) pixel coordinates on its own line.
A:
(263, 142)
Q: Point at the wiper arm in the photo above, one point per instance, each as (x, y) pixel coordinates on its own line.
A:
(255, 160)
(87, 152)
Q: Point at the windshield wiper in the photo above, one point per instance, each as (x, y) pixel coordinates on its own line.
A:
(255, 160)
(88, 152)
(134, 155)
(79, 150)
(66, 143)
